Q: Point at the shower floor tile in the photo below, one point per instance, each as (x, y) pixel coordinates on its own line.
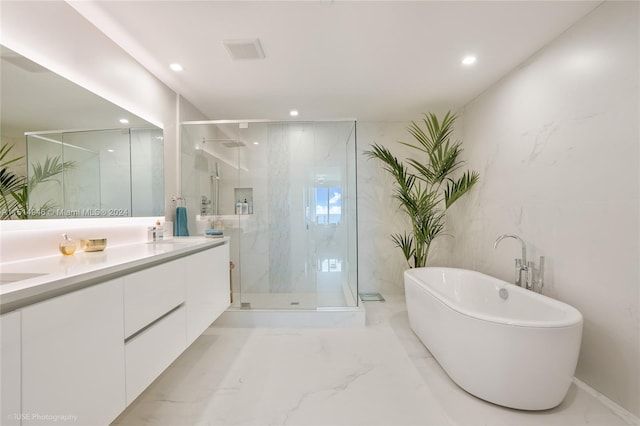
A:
(375, 375)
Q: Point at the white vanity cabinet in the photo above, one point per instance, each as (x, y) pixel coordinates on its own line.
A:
(151, 293)
(154, 322)
(207, 276)
(10, 369)
(85, 355)
(73, 357)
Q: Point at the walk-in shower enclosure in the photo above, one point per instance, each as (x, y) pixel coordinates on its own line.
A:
(285, 192)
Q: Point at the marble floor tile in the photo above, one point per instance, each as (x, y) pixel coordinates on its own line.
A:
(375, 375)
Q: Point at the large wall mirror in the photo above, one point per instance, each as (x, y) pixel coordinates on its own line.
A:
(106, 162)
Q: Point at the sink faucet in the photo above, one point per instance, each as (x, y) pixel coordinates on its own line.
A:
(521, 264)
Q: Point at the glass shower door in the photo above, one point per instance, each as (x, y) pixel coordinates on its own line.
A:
(294, 243)
(329, 213)
(286, 197)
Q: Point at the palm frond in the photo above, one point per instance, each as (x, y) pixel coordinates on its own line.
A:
(10, 184)
(21, 198)
(9, 181)
(426, 142)
(49, 171)
(425, 171)
(15, 189)
(446, 160)
(440, 131)
(390, 163)
(5, 149)
(457, 188)
(418, 185)
(404, 180)
(405, 243)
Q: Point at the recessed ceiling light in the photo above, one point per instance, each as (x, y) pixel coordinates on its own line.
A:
(110, 150)
(293, 113)
(469, 60)
(124, 121)
(176, 67)
(256, 143)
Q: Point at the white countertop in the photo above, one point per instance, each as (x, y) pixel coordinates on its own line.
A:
(63, 274)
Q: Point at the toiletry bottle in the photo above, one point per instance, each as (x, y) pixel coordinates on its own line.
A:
(239, 207)
(151, 233)
(67, 246)
(245, 207)
(159, 230)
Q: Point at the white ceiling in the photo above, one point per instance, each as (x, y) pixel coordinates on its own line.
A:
(374, 61)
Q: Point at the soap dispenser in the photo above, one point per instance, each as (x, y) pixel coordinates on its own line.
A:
(245, 207)
(159, 230)
(67, 246)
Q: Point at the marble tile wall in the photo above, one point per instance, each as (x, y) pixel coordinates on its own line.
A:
(280, 210)
(556, 144)
(380, 263)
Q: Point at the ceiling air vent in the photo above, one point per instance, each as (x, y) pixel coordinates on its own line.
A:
(244, 49)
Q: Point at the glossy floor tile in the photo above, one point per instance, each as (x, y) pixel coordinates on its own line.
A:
(375, 375)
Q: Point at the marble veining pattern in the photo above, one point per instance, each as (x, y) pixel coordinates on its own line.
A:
(279, 211)
(375, 375)
(548, 175)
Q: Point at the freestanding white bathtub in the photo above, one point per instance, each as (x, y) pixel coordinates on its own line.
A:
(519, 352)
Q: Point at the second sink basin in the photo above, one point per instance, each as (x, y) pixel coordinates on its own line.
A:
(11, 277)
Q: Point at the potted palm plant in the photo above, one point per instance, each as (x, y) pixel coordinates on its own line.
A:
(424, 185)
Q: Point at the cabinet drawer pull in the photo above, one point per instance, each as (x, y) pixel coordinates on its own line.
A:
(153, 322)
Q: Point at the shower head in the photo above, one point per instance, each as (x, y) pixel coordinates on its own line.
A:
(229, 143)
(198, 145)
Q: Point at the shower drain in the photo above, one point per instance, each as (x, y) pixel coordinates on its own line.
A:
(371, 297)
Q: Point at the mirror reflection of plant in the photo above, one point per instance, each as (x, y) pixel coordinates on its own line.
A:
(424, 187)
(10, 185)
(15, 189)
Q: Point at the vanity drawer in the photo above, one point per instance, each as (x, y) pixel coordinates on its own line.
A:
(151, 293)
(149, 353)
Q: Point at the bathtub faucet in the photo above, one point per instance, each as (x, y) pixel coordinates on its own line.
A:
(521, 264)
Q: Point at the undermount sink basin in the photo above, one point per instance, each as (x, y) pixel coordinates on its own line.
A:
(11, 277)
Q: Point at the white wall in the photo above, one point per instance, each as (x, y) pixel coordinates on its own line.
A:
(380, 263)
(556, 144)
